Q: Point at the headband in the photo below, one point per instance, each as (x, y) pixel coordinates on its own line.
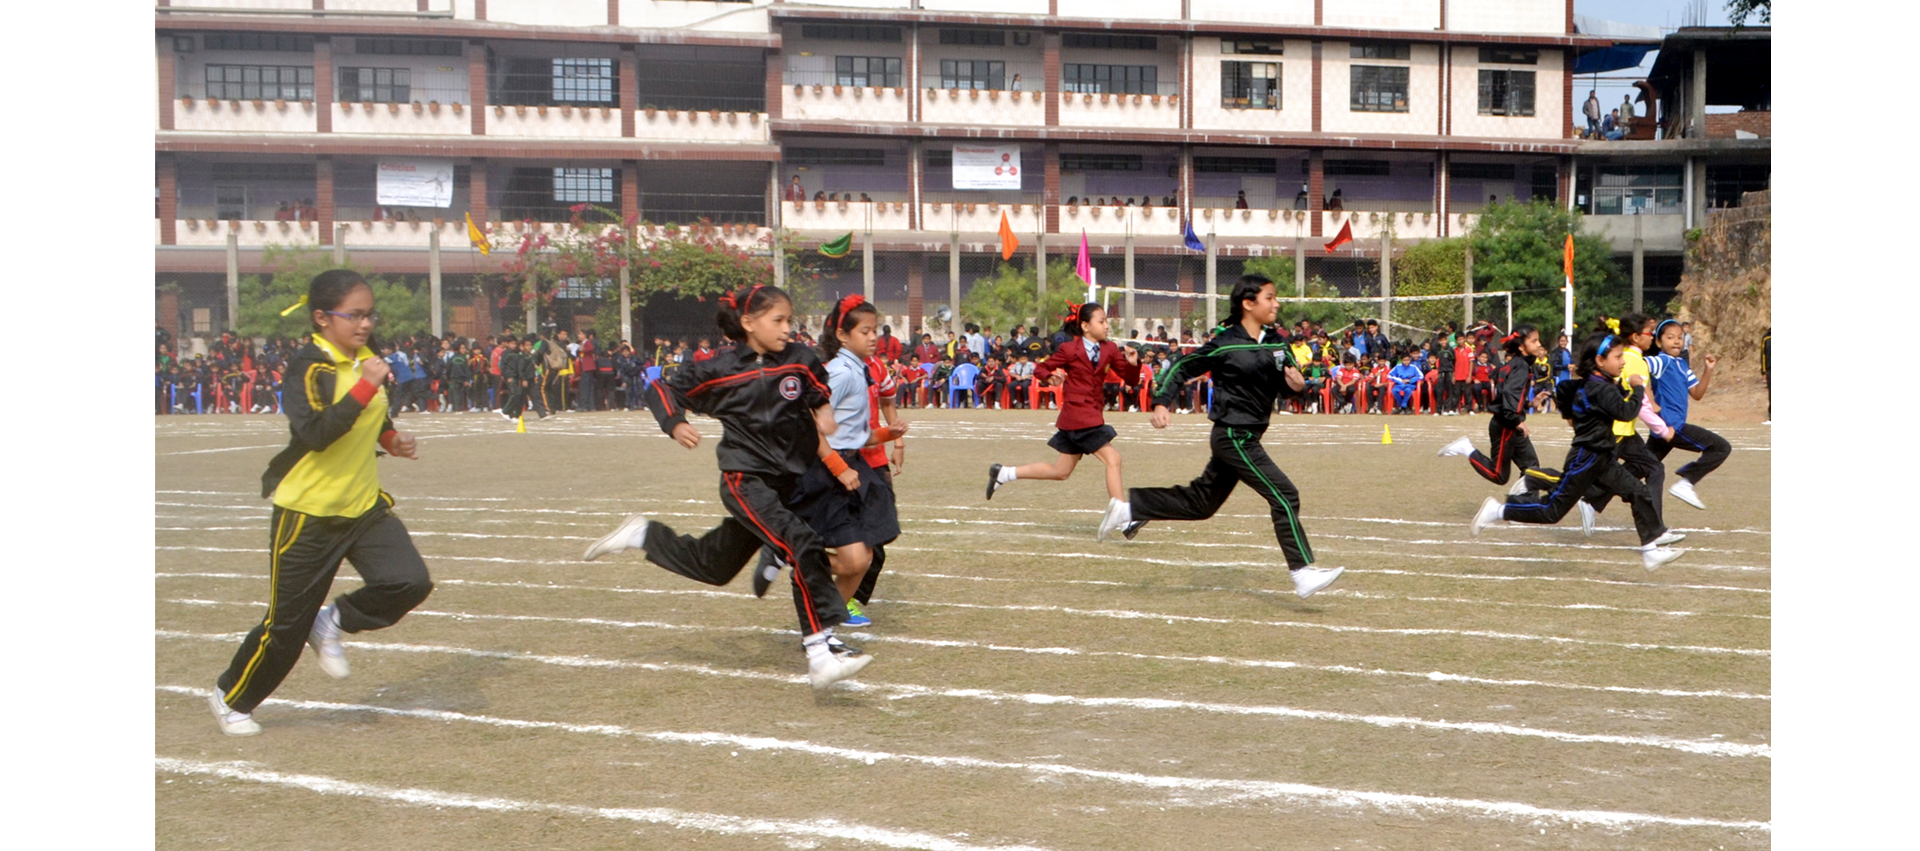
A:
(1605, 345)
(1662, 326)
(1510, 338)
(740, 304)
(847, 304)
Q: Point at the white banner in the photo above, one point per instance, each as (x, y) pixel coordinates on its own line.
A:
(414, 183)
(986, 167)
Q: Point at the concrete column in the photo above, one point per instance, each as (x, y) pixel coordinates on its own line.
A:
(913, 72)
(339, 244)
(323, 84)
(916, 171)
(1183, 280)
(1467, 291)
(1213, 281)
(1386, 279)
(1639, 267)
(167, 64)
(629, 81)
(1314, 104)
(1131, 316)
(1040, 269)
(1687, 190)
(1050, 194)
(953, 275)
(166, 177)
(477, 192)
(233, 280)
(533, 314)
(1443, 191)
(1697, 97)
(629, 192)
(1050, 77)
(1300, 267)
(916, 293)
(866, 256)
(434, 310)
(626, 304)
(776, 84)
(323, 196)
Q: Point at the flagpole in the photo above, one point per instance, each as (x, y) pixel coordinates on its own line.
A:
(1567, 328)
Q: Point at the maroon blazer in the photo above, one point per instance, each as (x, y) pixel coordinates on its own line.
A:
(1081, 398)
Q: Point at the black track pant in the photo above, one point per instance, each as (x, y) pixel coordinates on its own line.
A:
(1713, 450)
(1237, 457)
(516, 401)
(758, 516)
(305, 553)
(1509, 446)
(1639, 461)
(873, 576)
(1588, 471)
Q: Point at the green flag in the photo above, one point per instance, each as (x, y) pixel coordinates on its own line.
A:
(838, 248)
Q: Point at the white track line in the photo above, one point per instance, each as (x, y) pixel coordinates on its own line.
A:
(905, 691)
(1270, 664)
(1226, 791)
(789, 829)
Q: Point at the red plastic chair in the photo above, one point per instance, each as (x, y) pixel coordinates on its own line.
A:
(1041, 388)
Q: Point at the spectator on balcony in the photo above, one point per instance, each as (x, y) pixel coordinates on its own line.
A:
(819, 197)
(1610, 127)
(864, 198)
(308, 212)
(1626, 112)
(284, 214)
(1015, 85)
(1240, 201)
(1335, 204)
(1102, 202)
(1591, 109)
(795, 192)
(1300, 201)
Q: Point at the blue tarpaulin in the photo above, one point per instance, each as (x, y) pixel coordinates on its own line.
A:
(1612, 58)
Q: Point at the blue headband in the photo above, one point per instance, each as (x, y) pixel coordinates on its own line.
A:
(1663, 326)
(1605, 345)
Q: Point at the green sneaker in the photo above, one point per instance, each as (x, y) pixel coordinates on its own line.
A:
(855, 617)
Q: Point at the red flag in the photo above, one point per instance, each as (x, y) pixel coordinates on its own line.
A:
(1345, 236)
(1008, 242)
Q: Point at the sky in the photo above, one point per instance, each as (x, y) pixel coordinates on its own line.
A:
(1666, 14)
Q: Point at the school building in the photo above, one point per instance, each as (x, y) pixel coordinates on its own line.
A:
(1266, 124)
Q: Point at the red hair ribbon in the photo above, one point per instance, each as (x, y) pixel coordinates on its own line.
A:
(1509, 338)
(850, 302)
(727, 299)
(1073, 311)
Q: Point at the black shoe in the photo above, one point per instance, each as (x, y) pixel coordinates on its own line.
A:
(764, 572)
(993, 480)
(1133, 529)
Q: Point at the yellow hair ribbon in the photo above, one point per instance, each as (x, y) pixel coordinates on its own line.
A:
(296, 306)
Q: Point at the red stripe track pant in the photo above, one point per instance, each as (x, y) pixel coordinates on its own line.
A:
(758, 516)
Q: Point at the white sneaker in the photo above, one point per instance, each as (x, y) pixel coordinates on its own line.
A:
(1652, 558)
(1586, 518)
(837, 664)
(1669, 537)
(324, 637)
(232, 723)
(618, 540)
(1683, 491)
(1519, 485)
(1310, 579)
(1491, 511)
(1119, 514)
(1460, 446)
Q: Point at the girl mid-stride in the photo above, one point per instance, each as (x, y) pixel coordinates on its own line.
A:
(1081, 364)
(771, 399)
(1251, 367)
(1510, 440)
(1674, 385)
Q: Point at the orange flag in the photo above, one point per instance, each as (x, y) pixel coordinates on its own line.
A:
(1345, 236)
(1569, 260)
(1008, 242)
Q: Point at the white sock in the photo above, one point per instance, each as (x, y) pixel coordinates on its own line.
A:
(1126, 512)
(1647, 548)
(1008, 473)
(816, 645)
(638, 540)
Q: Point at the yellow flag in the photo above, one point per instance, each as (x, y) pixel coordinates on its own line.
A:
(477, 239)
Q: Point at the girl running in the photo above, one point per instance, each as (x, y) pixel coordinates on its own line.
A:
(1592, 402)
(1674, 384)
(1511, 440)
(327, 506)
(1251, 367)
(772, 402)
(1081, 364)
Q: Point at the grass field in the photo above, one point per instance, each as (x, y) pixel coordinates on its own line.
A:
(1030, 688)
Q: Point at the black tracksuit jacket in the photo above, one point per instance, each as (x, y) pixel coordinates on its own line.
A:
(766, 403)
(1248, 375)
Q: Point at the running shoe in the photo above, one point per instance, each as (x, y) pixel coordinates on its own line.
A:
(1309, 580)
(766, 571)
(1491, 511)
(1683, 491)
(232, 723)
(993, 480)
(840, 662)
(620, 539)
(1669, 537)
(324, 637)
(856, 617)
(1460, 446)
(1133, 529)
(1653, 557)
(1586, 518)
(1118, 515)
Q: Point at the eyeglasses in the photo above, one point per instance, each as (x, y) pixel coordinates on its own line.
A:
(357, 317)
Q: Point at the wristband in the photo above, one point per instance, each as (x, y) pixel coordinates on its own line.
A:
(835, 464)
(386, 440)
(891, 433)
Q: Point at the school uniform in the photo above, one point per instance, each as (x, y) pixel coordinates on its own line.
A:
(1632, 448)
(765, 403)
(327, 506)
(459, 379)
(1248, 377)
(1082, 429)
(1672, 379)
(1508, 444)
(516, 368)
(1592, 405)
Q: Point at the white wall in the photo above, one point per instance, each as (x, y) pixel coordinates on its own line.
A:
(1132, 9)
(553, 13)
(1296, 90)
(1422, 117)
(1549, 82)
(1383, 14)
(1507, 16)
(1013, 7)
(696, 14)
(1290, 12)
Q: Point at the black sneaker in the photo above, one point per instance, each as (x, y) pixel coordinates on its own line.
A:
(993, 480)
(766, 571)
(1133, 529)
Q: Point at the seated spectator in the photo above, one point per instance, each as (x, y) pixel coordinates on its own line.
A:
(1240, 201)
(820, 196)
(1335, 203)
(1020, 380)
(1346, 379)
(987, 386)
(1379, 383)
(1406, 379)
(1610, 127)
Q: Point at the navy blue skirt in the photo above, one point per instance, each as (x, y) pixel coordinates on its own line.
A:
(1081, 441)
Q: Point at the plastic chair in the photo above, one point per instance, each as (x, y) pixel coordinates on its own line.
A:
(1041, 388)
(961, 380)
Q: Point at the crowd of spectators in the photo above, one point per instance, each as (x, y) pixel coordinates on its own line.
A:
(1355, 368)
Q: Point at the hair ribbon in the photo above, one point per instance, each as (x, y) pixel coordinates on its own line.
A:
(296, 306)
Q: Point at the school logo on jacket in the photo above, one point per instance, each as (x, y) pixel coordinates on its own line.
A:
(790, 388)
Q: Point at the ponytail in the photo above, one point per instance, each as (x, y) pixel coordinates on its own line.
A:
(1512, 342)
(1077, 315)
(843, 317)
(748, 301)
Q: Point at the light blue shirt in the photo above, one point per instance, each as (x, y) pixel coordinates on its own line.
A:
(1093, 349)
(852, 410)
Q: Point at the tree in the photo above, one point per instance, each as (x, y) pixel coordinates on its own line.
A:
(1328, 314)
(403, 308)
(1009, 296)
(1430, 267)
(1738, 10)
(1519, 248)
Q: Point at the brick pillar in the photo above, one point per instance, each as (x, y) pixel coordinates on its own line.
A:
(479, 10)
(323, 84)
(1566, 96)
(1316, 189)
(477, 79)
(630, 191)
(1051, 194)
(1317, 13)
(167, 66)
(323, 194)
(482, 309)
(629, 83)
(1050, 74)
(776, 84)
(166, 176)
(916, 177)
(916, 295)
(613, 13)
(1185, 280)
(166, 308)
(1316, 72)
(477, 192)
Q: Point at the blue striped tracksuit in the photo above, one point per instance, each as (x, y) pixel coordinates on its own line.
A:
(1592, 405)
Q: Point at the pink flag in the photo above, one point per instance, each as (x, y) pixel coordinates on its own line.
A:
(1083, 266)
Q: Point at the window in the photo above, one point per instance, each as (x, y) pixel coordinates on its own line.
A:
(1102, 41)
(1481, 171)
(259, 41)
(866, 71)
(1250, 85)
(583, 185)
(1381, 51)
(1118, 79)
(583, 80)
(259, 82)
(1506, 92)
(1379, 88)
(406, 47)
(1262, 48)
(229, 202)
(1099, 162)
(1235, 165)
(984, 38)
(972, 74)
(849, 32)
(582, 287)
(1348, 168)
(836, 156)
(1621, 190)
(375, 85)
(1726, 183)
(1508, 56)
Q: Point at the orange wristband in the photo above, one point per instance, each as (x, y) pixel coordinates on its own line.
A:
(835, 464)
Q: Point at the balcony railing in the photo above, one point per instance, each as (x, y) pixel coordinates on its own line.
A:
(432, 119)
(410, 235)
(1085, 109)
